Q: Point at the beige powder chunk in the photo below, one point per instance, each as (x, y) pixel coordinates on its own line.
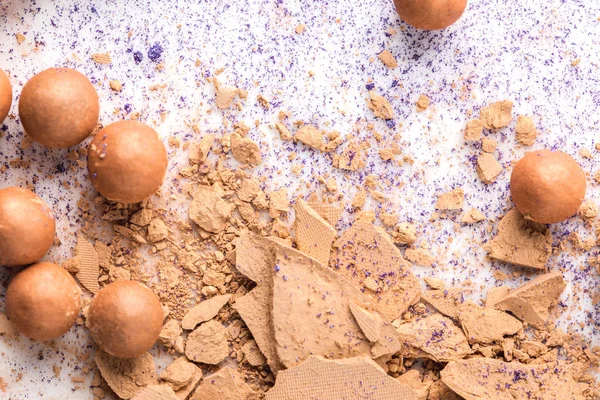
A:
(520, 241)
(351, 159)
(446, 301)
(367, 251)
(180, 373)
(486, 325)
(209, 210)
(245, 150)
(126, 376)
(278, 202)
(118, 274)
(141, 218)
(284, 132)
(422, 103)
(169, 333)
(488, 145)
(353, 378)
(156, 392)
(6, 326)
(331, 213)
(488, 168)
(485, 379)
(104, 254)
(248, 190)
(197, 152)
(497, 115)
(472, 216)
(412, 379)
(314, 235)
(89, 268)
(311, 136)
(588, 210)
(380, 106)
(526, 132)
(434, 337)
(115, 86)
(452, 200)
(205, 311)
(369, 323)
(20, 37)
(405, 233)
(420, 257)
(388, 59)
(157, 230)
(220, 386)
(473, 130)
(225, 94)
(531, 302)
(300, 29)
(102, 58)
(208, 343)
(434, 283)
(253, 354)
(439, 391)
(495, 294)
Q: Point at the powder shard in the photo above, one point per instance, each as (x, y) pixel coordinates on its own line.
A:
(89, 268)
(497, 115)
(314, 235)
(204, 311)
(453, 200)
(486, 325)
(126, 376)
(446, 301)
(380, 106)
(208, 343)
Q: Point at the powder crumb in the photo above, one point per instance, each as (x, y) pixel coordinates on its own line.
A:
(486, 325)
(221, 385)
(89, 269)
(488, 168)
(180, 373)
(405, 233)
(472, 216)
(20, 38)
(488, 145)
(422, 103)
(497, 115)
(452, 200)
(359, 199)
(526, 131)
(208, 343)
(126, 376)
(245, 150)
(169, 333)
(157, 230)
(204, 311)
(264, 103)
(380, 106)
(473, 130)
(520, 241)
(434, 283)
(209, 210)
(300, 29)
(588, 210)
(115, 86)
(102, 58)
(388, 59)
(575, 62)
(225, 95)
(420, 257)
(311, 136)
(197, 152)
(284, 132)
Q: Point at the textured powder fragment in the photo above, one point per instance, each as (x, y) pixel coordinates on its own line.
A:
(314, 235)
(439, 391)
(526, 132)
(248, 190)
(278, 203)
(157, 230)
(115, 85)
(331, 213)
(452, 200)
(89, 268)
(101, 58)
(209, 210)
(367, 251)
(472, 216)
(473, 130)
(253, 354)
(422, 103)
(486, 325)
(197, 152)
(169, 333)
(126, 376)
(380, 106)
(156, 392)
(179, 373)
(405, 233)
(220, 386)
(495, 294)
(208, 343)
(488, 168)
(485, 379)
(434, 337)
(520, 241)
(245, 150)
(388, 59)
(531, 302)
(446, 301)
(284, 132)
(434, 283)
(225, 94)
(369, 323)
(352, 378)
(497, 115)
(204, 311)
(420, 257)
(311, 136)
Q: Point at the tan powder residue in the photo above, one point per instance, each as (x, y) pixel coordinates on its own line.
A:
(209, 210)
(245, 150)
(253, 354)
(486, 325)
(473, 130)
(102, 58)
(422, 103)
(531, 302)
(446, 301)
(197, 152)
(208, 343)
(222, 385)
(497, 115)
(380, 106)
(284, 132)
(115, 85)
(520, 241)
(156, 392)
(420, 256)
(157, 231)
(488, 145)
(89, 268)
(434, 337)
(205, 311)
(526, 132)
(314, 235)
(300, 29)
(472, 216)
(484, 379)
(488, 168)
(353, 378)
(20, 37)
(452, 200)
(225, 95)
(126, 376)
(370, 323)
(311, 136)
(387, 58)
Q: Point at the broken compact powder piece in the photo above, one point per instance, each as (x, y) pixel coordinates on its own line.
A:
(208, 343)
(446, 301)
(473, 130)
(156, 392)
(388, 59)
(204, 311)
(126, 376)
(488, 168)
(486, 325)
(380, 106)
(222, 385)
(453, 200)
(89, 268)
(314, 235)
(526, 132)
(497, 115)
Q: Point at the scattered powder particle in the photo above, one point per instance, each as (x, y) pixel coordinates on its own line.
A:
(488, 145)
(262, 100)
(497, 115)
(434, 283)
(380, 106)
(486, 325)
(204, 311)
(405, 233)
(473, 130)
(420, 257)
(300, 29)
(253, 354)
(6, 327)
(575, 62)
(88, 264)
(226, 94)
(311, 136)
(222, 385)
(526, 132)
(245, 150)
(20, 38)
(157, 230)
(102, 58)
(485, 378)
(284, 132)
(422, 103)
(126, 376)
(115, 86)
(278, 202)
(314, 235)
(180, 373)
(452, 200)
(359, 199)
(520, 241)
(197, 152)
(156, 392)
(388, 59)
(585, 153)
(446, 301)
(488, 168)
(531, 302)
(369, 323)
(209, 210)
(434, 337)
(588, 210)
(351, 159)
(495, 294)
(318, 378)
(472, 216)
(208, 343)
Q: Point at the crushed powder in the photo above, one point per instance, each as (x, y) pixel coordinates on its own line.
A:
(388, 59)
(488, 168)
(380, 106)
(526, 132)
(473, 130)
(497, 115)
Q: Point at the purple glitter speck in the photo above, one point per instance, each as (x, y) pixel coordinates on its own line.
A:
(155, 52)
(138, 57)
